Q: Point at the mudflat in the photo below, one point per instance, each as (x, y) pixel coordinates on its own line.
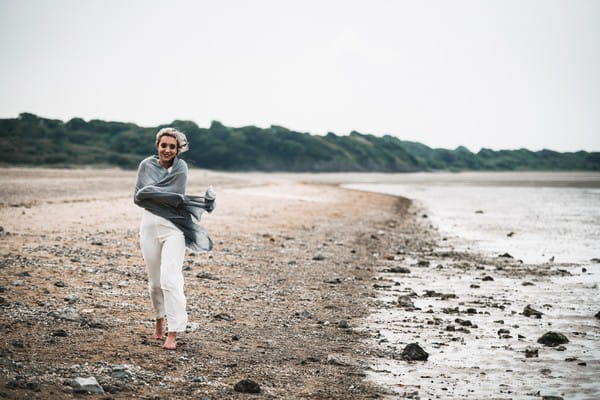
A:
(312, 292)
(281, 300)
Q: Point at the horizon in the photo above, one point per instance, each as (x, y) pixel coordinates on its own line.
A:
(494, 74)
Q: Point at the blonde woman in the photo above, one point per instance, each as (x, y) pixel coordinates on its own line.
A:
(168, 226)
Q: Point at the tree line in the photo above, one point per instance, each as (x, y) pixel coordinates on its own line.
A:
(30, 140)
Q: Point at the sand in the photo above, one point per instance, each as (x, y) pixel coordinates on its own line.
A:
(296, 296)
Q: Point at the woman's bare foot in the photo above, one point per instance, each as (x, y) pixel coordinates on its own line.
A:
(159, 328)
(170, 342)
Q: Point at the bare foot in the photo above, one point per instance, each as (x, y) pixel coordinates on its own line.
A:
(170, 342)
(159, 328)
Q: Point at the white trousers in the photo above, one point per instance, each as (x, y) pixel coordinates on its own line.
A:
(163, 249)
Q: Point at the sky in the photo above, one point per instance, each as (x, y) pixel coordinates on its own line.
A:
(502, 74)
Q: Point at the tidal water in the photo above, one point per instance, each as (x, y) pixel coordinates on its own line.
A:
(535, 217)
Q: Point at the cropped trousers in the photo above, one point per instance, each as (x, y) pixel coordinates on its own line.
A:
(163, 250)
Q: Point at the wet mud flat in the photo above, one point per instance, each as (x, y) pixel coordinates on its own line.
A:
(312, 292)
(481, 321)
(276, 308)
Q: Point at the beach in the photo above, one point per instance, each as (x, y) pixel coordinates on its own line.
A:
(312, 291)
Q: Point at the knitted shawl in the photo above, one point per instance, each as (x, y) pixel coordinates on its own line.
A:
(162, 192)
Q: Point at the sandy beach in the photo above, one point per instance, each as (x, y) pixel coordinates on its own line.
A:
(301, 295)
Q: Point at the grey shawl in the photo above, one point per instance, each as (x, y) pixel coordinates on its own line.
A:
(162, 192)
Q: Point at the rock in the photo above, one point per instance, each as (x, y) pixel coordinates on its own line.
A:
(71, 299)
(552, 398)
(510, 234)
(199, 379)
(207, 275)
(595, 260)
(97, 244)
(303, 315)
(553, 339)
(343, 324)
(528, 284)
(67, 314)
(122, 284)
(505, 255)
(405, 301)
(474, 286)
(105, 285)
(86, 385)
(487, 278)
(3, 289)
(59, 284)
(597, 315)
(318, 257)
(333, 360)
(479, 212)
(59, 333)
(423, 263)
(414, 352)
(334, 281)
(398, 270)
(119, 372)
(24, 273)
(223, 317)
(531, 352)
(529, 311)
(247, 386)
(18, 283)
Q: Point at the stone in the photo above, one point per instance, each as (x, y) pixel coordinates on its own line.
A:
(119, 372)
(206, 275)
(552, 398)
(59, 333)
(553, 339)
(529, 311)
(223, 317)
(505, 255)
(71, 299)
(86, 385)
(318, 257)
(247, 386)
(105, 285)
(59, 284)
(597, 315)
(18, 283)
(67, 314)
(303, 315)
(487, 278)
(398, 270)
(343, 324)
(531, 352)
(405, 301)
(414, 352)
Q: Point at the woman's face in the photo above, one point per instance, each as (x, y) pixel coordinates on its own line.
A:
(167, 149)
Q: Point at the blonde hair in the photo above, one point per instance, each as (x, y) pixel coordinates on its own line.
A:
(182, 142)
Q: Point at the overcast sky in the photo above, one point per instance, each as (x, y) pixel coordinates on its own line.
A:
(496, 74)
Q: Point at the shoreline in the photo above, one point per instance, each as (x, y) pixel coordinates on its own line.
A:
(295, 297)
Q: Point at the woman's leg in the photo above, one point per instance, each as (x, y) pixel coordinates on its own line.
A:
(151, 250)
(171, 277)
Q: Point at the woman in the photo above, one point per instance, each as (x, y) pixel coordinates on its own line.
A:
(167, 228)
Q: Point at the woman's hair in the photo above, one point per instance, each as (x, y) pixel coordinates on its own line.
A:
(182, 142)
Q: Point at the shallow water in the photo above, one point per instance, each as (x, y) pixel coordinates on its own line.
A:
(546, 215)
(550, 215)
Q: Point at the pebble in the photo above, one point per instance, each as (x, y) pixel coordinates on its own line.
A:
(119, 372)
(247, 386)
(18, 283)
(71, 299)
(303, 315)
(414, 352)
(86, 385)
(59, 284)
(531, 352)
(553, 339)
(529, 311)
(343, 324)
(398, 270)
(406, 302)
